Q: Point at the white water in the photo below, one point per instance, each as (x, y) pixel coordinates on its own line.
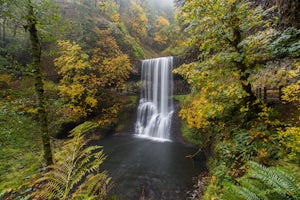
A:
(155, 108)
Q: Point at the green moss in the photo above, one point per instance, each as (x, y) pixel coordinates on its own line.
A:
(20, 152)
(180, 98)
(190, 135)
(125, 119)
(20, 140)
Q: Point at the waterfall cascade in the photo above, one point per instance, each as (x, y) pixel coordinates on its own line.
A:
(155, 107)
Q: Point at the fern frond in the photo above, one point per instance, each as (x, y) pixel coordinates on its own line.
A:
(76, 165)
(88, 164)
(262, 183)
(50, 191)
(101, 184)
(56, 189)
(86, 156)
(58, 174)
(87, 151)
(254, 186)
(98, 185)
(244, 193)
(83, 128)
(277, 181)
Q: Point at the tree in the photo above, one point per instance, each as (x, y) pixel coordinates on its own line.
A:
(290, 135)
(78, 85)
(162, 31)
(112, 65)
(12, 37)
(81, 19)
(87, 81)
(112, 69)
(39, 85)
(233, 39)
(36, 17)
(109, 9)
(136, 20)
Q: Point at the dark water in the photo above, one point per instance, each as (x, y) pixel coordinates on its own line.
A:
(160, 170)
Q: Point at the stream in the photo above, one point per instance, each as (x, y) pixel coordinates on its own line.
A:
(142, 167)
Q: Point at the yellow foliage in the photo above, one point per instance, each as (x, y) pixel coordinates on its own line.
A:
(161, 38)
(110, 9)
(214, 91)
(77, 86)
(115, 70)
(291, 93)
(85, 80)
(211, 191)
(290, 139)
(162, 31)
(136, 19)
(91, 101)
(161, 22)
(195, 115)
(32, 111)
(107, 46)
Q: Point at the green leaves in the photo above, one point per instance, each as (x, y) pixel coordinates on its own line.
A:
(263, 183)
(287, 43)
(75, 173)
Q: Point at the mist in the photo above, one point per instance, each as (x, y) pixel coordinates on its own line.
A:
(162, 3)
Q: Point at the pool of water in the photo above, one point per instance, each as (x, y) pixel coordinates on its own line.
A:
(151, 169)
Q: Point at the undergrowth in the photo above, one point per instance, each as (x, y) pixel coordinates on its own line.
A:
(20, 148)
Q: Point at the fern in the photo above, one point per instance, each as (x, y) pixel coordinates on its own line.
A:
(75, 174)
(244, 193)
(277, 181)
(98, 185)
(252, 184)
(262, 183)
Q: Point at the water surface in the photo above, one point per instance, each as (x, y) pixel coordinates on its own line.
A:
(159, 170)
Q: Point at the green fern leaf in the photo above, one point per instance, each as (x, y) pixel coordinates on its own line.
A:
(245, 193)
(76, 170)
(277, 181)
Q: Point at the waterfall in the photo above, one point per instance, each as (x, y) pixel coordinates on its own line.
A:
(155, 108)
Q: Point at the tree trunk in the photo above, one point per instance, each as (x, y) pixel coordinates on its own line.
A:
(247, 87)
(244, 75)
(39, 84)
(3, 39)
